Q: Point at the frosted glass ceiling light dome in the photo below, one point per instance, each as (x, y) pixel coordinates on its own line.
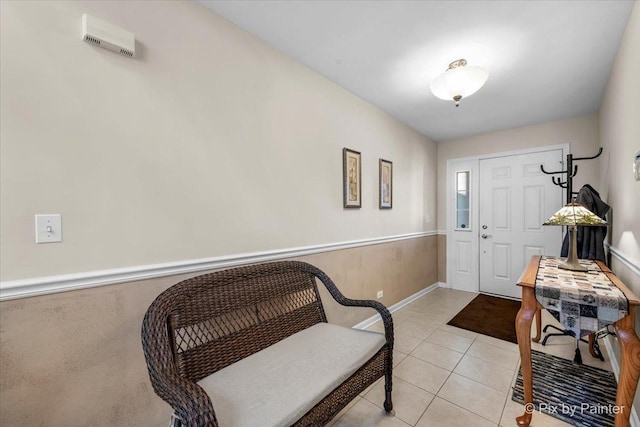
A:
(459, 81)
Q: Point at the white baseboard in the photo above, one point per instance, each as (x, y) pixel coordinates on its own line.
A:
(634, 421)
(397, 306)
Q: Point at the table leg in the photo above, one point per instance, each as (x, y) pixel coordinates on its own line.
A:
(629, 367)
(523, 332)
(594, 348)
(538, 326)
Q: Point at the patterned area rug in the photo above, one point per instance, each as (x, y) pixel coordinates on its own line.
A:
(580, 395)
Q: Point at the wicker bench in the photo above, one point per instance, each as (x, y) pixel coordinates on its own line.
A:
(254, 343)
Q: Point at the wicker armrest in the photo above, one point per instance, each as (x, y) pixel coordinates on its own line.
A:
(387, 320)
(190, 402)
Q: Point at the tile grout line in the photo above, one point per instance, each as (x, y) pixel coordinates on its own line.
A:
(469, 410)
(475, 339)
(413, 316)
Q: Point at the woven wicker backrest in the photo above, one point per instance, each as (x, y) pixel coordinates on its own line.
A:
(216, 319)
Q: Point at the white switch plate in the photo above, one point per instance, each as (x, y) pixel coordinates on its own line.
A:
(48, 228)
(380, 294)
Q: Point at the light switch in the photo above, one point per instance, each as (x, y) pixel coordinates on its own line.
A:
(48, 228)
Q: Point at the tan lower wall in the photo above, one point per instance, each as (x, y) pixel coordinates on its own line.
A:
(75, 358)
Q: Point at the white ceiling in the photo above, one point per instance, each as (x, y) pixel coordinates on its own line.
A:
(547, 60)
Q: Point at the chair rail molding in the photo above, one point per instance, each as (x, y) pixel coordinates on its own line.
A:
(22, 288)
(631, 263)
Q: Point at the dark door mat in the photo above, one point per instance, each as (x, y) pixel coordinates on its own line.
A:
(489, 315)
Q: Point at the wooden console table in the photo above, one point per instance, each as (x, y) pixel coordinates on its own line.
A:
(629, 343)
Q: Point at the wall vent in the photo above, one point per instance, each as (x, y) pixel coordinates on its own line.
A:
(90, 39)
(108, 36)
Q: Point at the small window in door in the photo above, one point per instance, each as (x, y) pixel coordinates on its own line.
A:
(462, 201)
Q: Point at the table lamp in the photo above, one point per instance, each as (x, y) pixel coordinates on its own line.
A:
(573, 215)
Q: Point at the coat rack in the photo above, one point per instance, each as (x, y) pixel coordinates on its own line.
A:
(571, 171)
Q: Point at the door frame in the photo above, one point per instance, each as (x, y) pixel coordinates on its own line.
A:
(472, 164)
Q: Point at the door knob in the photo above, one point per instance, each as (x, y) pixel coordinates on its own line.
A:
(485, 236)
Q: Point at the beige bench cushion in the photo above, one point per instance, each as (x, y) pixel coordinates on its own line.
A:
(278, 385)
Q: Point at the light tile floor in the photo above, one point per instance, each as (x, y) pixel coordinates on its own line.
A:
(446, 376)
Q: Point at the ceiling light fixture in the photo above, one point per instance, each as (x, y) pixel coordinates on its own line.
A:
(459, 81)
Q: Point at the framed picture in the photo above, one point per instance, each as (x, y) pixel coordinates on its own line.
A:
(386, 184)
(351, 178)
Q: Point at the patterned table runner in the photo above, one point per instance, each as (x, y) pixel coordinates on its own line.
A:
(582, 301)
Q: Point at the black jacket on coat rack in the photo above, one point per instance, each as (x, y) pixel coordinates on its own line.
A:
(590, 240)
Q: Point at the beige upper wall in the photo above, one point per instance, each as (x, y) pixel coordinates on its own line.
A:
(581, 133)
(208, 143)
(620, 137)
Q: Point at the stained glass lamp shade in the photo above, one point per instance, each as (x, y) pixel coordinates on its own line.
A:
(573, 215)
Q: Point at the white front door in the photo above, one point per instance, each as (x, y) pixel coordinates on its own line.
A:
(514, 199)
